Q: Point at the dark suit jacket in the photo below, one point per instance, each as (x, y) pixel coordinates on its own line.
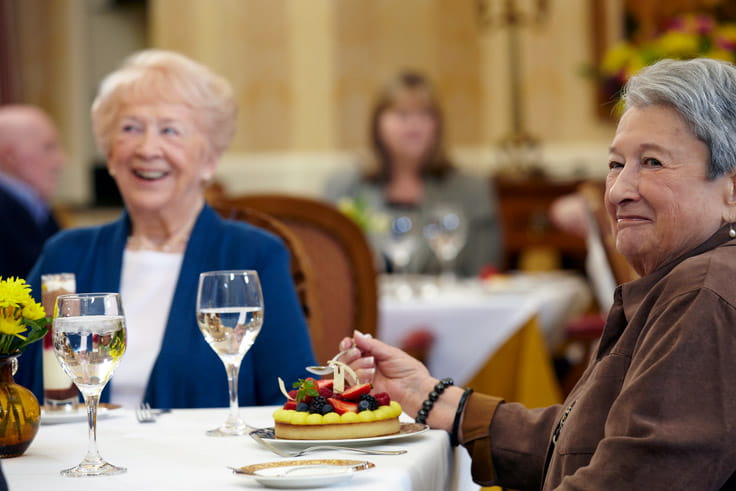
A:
(22, 237)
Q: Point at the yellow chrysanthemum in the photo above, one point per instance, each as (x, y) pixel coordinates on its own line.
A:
(617, 58)
(12, 327)
(677, 45)
(726, 32)
(33, 311)
(22, 319)
(719, 54)
(634, 64)
(14, 292)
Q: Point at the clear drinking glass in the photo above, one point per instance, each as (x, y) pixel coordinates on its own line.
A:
(59, 393)
(230, 315)
(446, 233)
(89, 340)
(401, 240)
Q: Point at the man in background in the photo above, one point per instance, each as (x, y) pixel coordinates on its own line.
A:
(31, 159)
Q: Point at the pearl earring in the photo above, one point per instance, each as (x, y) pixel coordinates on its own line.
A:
(731, 232)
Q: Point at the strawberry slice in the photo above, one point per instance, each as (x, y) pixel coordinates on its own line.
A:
(342, 407)
(354, 392)
(290, 405)
(325, 383)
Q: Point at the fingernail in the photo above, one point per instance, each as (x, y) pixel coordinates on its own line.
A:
(358, 333)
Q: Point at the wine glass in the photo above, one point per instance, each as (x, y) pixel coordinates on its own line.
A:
(230, 315)
(89, 340)
(401, 240)
(446, 233)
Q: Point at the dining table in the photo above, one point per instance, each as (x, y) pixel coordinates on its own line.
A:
(174, 453)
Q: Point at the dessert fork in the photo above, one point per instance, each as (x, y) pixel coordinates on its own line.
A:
(145, 414)
(326, 369)
(299, 453)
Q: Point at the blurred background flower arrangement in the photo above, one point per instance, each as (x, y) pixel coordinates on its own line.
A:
(368, 219)
(681, 37)
(22, 320)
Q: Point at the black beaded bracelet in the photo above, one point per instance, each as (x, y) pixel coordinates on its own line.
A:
(431, 399)
(458, 416)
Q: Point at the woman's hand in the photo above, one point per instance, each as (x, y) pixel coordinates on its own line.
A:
(389, 370)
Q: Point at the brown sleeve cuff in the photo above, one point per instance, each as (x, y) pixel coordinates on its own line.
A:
(476, 431)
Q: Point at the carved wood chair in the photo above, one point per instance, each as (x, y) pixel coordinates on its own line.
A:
(342, 277)
(301, 267)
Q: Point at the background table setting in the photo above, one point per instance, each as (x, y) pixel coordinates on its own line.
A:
(174, 453)
(508, 322)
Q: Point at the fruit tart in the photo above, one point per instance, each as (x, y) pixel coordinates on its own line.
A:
(330, 409)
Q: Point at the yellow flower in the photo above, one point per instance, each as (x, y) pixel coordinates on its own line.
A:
(617, 58)
(12, 327)
(634, 64)
(677, 45)
(687, 36)
(22, 319)
(33, 310)
(13, 292)
(719, 54)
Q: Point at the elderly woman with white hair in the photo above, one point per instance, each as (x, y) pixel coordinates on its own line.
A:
(656, 407)
(163, 121)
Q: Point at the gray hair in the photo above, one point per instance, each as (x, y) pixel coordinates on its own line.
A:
(703, 92)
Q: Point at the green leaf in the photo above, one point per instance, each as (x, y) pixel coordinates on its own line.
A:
(37, 329)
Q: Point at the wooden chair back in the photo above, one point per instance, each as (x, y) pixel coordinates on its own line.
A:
(301, 268)
(593, 193)
(341, 261)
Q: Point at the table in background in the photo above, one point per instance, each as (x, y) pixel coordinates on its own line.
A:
(495, 336)
(175, 454)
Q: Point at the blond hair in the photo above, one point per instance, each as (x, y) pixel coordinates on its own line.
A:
(166, 76)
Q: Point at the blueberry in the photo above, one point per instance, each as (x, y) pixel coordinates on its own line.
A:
(364, 406)
(302, 407)
(327, 408)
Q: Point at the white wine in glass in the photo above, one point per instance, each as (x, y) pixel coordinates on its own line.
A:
(89, 340)
(230, 316)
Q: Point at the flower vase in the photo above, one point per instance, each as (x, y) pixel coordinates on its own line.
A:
(20, 413)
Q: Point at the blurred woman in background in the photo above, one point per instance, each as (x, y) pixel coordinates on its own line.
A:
(411, 172)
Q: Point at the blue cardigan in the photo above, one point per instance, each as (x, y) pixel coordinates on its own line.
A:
(187, 373)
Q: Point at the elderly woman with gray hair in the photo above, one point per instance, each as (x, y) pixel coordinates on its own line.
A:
(656, 407)
(163, 120)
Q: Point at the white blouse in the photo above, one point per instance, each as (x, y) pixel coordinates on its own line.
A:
(147, 285)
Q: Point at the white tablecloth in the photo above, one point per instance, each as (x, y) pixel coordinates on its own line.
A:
(175, 454)
(471, 319)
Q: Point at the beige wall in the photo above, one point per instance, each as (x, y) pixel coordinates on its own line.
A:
(305, 72)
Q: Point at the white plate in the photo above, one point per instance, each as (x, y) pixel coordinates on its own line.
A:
(405, 430)
(292, 474)
(76, 414)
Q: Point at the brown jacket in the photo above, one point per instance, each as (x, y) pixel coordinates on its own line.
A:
(656, 407)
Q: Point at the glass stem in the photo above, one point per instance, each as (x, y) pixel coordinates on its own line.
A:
(91, 402)
(232, 382)
(448, 270)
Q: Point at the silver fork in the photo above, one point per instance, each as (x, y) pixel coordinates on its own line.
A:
(284, 453)
(145, 414)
